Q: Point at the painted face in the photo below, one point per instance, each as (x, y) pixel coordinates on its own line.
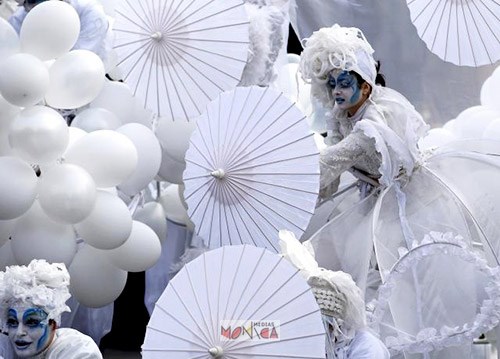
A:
(29, 330)
(346, 90)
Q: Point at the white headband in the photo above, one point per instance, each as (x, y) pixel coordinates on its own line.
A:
(40, 284)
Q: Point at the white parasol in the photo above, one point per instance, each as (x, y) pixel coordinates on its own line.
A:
(236, 302)
(177, 55)
(464, 32)
(252, 169)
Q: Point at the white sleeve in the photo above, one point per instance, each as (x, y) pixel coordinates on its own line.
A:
(365, 345)
(340, 157)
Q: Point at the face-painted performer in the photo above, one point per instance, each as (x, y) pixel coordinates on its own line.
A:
(32, 299)
(339, 64)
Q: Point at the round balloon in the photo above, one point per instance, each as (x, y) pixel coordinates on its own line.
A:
(8, 112)
(492, 131)
(95, 282)
(489, 92)
(93, 119)
(170, 169)
(35, 235)
(148, 157)
(117, 98)
(67, 193)
(174, 136)
(172, 204)
(24, 81)
(110, 157)
(75, 79)
(50, 29)
(75, 134)
(471, 123)
(9, 41)
(39, 135)
(140, 252)
(436, 137)
(18, 187)
(109, 224)
(153, 215)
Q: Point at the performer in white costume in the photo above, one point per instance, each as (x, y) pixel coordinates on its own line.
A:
(409, 204)
(32, 299)
(341, 304)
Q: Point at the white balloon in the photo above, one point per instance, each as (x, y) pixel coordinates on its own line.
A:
(471, 123)
(24, 81)
(35, 235)
(174, 136)
(117, 98)
(450, 126)
(492, 131)
(140, 252)
(75, 134)
(148, 157)
(109, 224)
(18, 187)
(6, 228)
(6, 256)
(39, 135)
(95, 282)
(9, 41)
(170, 169)
(8, 112)
(490, 91)
(436, 137)
(75, 79)
(110, 157)
(50, 29)
(93, 119)
(67, 193)
(172, 204)
(153, 215)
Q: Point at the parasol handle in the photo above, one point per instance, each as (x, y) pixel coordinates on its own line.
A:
(216, 352)
(220, 174)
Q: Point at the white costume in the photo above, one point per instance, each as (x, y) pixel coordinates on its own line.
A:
(95, 30)
(341, 304)
(422, 203)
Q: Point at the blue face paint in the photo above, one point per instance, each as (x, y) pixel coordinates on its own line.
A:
(345, 89)
(28, 330)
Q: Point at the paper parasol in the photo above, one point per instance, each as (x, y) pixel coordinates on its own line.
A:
(252, 169)
(464, 32)
(236, 302)
(177, 55)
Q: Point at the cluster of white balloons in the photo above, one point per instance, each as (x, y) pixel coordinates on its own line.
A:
(73, 195)
(477, 122)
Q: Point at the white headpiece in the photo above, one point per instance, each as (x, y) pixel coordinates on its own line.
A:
(337, 294)
(40, 284)
(336, 47)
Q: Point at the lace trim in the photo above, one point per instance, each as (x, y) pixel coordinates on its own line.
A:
(429, 339)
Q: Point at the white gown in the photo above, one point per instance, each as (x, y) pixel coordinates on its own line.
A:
(425, 231)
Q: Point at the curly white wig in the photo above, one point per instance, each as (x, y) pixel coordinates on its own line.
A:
(336, 47)
(40, 284)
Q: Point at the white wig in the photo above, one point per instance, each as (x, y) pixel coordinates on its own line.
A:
(336, 47)
(40, 284)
